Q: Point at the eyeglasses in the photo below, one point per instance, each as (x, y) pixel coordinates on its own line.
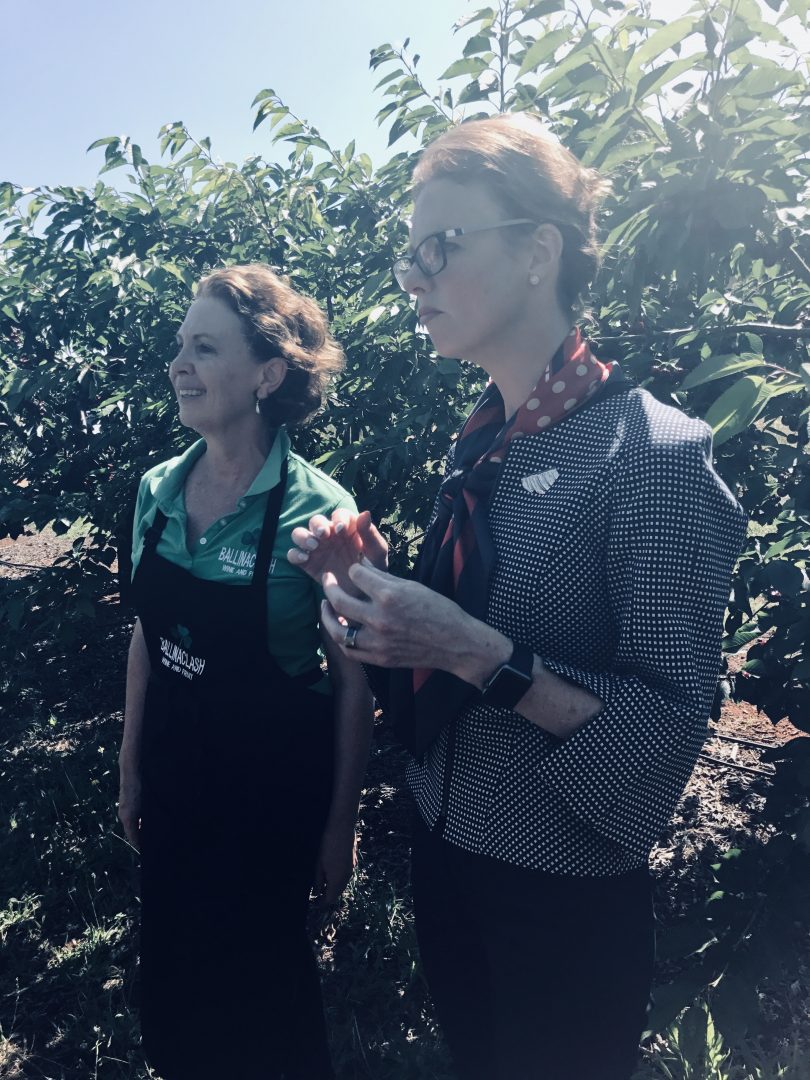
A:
(431, 254)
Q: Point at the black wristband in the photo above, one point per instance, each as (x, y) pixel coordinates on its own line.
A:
(509, 682)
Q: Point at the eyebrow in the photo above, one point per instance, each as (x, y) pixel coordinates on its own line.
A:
(194, 337)
(436, 232)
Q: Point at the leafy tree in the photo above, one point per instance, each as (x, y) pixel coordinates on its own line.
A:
(701, 123)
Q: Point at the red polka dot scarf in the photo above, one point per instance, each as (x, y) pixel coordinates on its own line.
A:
(458, 556)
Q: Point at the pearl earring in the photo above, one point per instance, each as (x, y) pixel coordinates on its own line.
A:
(534, 279)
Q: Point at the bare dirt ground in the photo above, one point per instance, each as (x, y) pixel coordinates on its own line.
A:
(30, 553)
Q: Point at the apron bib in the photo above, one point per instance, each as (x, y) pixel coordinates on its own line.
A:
(236, 774)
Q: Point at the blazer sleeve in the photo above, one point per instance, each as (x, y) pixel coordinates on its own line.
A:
(675, 533)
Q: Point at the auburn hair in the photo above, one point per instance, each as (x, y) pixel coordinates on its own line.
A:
(278, 321)
(532, 175)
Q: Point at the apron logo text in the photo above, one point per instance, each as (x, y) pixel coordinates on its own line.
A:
(178, 660)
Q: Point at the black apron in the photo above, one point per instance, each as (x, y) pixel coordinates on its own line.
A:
(236, 772)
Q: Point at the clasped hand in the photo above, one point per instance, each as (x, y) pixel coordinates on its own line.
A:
(399, 623)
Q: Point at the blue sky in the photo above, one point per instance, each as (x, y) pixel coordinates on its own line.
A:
(75, 71)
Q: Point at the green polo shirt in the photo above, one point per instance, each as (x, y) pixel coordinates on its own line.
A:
(227, 551)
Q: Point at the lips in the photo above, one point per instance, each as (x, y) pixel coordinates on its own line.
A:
(426, 314)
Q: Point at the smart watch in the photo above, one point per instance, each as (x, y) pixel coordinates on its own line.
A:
(510, 681)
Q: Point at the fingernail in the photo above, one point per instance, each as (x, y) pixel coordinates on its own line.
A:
(341, 525)
(321, 531)
(311, 543)
(302, 556)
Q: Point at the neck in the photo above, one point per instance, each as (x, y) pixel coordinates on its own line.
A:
(234, 458)
(517, 361)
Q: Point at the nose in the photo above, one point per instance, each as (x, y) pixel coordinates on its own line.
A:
(415, 282)
(181, 364)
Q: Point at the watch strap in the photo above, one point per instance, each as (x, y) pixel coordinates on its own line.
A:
(509, 682)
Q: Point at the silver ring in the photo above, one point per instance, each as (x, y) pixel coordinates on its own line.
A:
(350, 637)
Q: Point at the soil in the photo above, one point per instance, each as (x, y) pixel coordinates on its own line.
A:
(720, 808)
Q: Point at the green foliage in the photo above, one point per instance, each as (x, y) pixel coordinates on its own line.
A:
(703, 127)
(693, 1048)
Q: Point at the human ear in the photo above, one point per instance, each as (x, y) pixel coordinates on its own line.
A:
(546, 252)
(273, 374)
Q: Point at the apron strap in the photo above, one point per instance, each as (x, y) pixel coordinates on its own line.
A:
(153, 534)
(264, 552)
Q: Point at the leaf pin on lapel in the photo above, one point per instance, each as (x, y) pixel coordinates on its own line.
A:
(539, 483)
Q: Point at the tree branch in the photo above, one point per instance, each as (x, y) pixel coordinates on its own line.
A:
(766, 329)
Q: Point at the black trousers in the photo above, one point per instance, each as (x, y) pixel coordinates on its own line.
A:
(534, 976)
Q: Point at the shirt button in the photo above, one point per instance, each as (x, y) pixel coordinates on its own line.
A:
(203, 540)
(223, 521)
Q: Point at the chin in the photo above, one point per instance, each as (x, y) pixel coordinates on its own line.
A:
(444, 344)
(187, 421)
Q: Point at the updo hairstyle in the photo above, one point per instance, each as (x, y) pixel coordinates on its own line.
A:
(532, 175)
(278, 321)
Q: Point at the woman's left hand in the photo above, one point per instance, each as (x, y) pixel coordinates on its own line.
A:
(337, 859)
(402, 624)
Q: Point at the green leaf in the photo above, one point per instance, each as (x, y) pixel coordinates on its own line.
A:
(737, 407)
(473, 65)
(571, 62)
(108, 141)
(485, 15)
(740, 638)
(660, 41)
(474, 92)
(543, 49)
(289, 131)
(653, 81)
(792, 539)
(386, 79)
(478, 44)
(537, 11)
(626, 151)
(329, 462)
(718, 367)
(263, 95)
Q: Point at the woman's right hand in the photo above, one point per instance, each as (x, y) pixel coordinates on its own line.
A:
(337, 545)
(129, 807)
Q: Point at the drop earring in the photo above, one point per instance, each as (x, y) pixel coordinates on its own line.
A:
(258, 406)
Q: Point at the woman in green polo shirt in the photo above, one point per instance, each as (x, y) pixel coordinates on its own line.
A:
(241, 762)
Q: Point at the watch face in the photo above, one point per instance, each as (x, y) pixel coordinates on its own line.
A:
(506, 687)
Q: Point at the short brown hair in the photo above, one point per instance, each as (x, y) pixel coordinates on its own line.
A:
(533, 176)
(278, 321)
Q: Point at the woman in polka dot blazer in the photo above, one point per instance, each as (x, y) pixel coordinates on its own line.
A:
(553, 663)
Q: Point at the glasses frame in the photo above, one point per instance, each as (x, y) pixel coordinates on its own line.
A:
(405, 263)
